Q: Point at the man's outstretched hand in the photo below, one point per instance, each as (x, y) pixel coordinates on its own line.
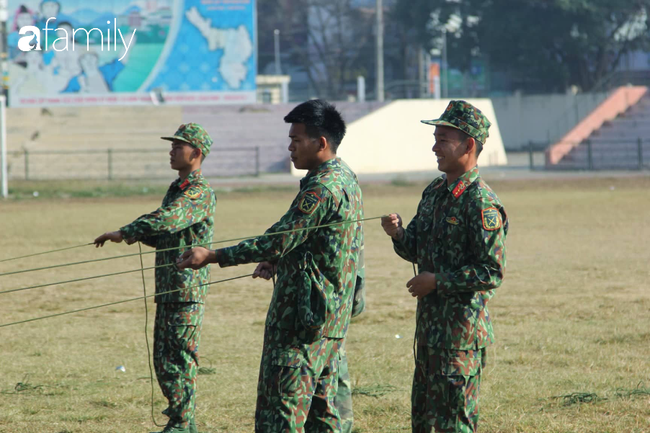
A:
(196, 258)
(265, 270)
(392, 225)
(109, 236)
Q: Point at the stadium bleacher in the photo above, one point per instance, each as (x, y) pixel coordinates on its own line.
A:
(247, 138)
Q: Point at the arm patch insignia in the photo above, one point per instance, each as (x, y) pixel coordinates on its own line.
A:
(193, 193)
(491, 220)
(308, 203)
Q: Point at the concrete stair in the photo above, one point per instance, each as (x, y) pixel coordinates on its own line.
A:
(616, 136)
(622, 143)
(77, 139)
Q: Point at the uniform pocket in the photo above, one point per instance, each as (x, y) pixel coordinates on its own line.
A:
(461, 363)
(287, 372)
(459, 374)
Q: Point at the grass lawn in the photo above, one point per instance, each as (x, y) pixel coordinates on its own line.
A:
(572, 319)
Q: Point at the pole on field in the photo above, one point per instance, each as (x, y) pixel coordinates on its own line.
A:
(380, 50)
(3, 144)
(445, 66)
(276, 46)
(110, 163)
(4, 190)
(4, 56)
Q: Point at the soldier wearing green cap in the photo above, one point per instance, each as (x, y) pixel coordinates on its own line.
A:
(457, 239)
(185, 219)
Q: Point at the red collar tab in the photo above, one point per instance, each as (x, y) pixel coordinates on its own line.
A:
(460, 189)
(185, 184)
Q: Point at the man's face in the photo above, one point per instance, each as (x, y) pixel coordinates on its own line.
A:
(182, 155)
(303, 148)
(50, 9)
(449, 149)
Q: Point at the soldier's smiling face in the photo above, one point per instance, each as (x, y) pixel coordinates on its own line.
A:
(304, 149)
(182, 155)
(450, 150)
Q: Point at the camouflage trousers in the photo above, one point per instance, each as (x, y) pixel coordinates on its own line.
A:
(343, 399)
(297, 385)
(177, 332)
(445, 391)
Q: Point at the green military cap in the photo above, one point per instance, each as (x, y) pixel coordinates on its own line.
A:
(466, 117)
(194, 135)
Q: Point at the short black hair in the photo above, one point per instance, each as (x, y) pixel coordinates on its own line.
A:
(321, 119)
(462, 135)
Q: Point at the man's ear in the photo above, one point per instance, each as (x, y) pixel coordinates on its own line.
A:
(323, 144)
(471, 145)
(197, 153)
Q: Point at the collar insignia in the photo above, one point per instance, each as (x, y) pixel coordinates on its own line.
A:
(460, 189)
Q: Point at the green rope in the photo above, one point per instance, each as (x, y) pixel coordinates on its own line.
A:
(146, 336)
(46, 252)
(188, 246)
(85, 279)
(120, 302)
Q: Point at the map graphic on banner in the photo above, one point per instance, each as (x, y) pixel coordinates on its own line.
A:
(117, 52)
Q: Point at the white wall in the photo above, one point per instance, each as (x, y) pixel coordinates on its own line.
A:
(541, 118)
(393, 140)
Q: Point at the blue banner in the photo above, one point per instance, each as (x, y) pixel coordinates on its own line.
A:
(74, 52)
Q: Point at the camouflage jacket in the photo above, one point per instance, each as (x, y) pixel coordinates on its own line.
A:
(185, 218)
(318, 269)
(458, 234)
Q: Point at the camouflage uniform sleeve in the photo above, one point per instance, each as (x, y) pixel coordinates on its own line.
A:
(310, 209)
(359, 302)
(186, 210)
(149, 241)
(407, 247)
(488, 227)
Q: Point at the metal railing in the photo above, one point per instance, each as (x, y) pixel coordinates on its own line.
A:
(124, 164)
(596, 154)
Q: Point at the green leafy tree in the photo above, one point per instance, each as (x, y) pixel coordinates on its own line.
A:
(544, 45)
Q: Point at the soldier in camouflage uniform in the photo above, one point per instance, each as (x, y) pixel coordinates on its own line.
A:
(317, 274)
(185, 218)
(457, 239)
(343, 399)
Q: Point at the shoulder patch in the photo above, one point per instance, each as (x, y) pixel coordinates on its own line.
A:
(490, 217)
(309, 202)
(193, 193)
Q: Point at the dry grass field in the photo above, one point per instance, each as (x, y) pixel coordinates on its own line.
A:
(572, 319)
